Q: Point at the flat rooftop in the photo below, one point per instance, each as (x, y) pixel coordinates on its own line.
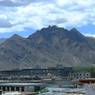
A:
(21, 84)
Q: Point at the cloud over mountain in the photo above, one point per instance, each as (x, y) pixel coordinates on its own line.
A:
(14, 3)
(4, 23)
(35, 14)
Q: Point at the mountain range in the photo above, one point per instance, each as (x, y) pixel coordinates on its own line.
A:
(47, 47)
(2, 40)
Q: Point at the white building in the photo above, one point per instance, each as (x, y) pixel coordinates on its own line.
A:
(80, 75)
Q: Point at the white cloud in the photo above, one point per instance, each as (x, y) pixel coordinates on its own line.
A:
(90, 35)
(14, 3)
(21, 14)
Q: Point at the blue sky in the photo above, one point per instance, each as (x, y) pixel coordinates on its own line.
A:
(24, 17)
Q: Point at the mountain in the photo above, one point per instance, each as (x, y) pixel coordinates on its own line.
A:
(47, 47)
(2, 40)
(91, 40)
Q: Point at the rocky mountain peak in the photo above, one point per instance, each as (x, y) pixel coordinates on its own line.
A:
(15, 36)
(60, 33)
(48, 47)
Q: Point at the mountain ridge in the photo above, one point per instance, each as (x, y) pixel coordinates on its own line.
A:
(2, 40)
(47, 47)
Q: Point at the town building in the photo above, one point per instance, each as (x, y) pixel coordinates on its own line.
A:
(21, 87)
(30, 74)
(80, 75)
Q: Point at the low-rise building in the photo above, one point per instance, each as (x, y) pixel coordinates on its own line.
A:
(92, 74)
(21, 87)
(31, 73)
(80, 75)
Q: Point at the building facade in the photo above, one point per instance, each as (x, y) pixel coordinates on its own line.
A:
(20, 87)
(80, 75)
(29, 74)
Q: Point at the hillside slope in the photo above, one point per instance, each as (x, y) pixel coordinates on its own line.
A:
(46, 48)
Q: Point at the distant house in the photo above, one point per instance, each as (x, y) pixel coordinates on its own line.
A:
(53, 71)
(21, 87)
(92, 74)
(80, 75)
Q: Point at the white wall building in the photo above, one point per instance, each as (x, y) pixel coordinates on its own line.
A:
(80, 75)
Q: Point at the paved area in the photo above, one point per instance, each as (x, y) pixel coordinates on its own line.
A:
(90, 89)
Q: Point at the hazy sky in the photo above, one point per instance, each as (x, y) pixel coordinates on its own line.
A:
(25, 16)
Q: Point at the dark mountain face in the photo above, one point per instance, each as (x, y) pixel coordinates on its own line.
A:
(2, 40)
(61, 33)
(47, 47)
(91, 41)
